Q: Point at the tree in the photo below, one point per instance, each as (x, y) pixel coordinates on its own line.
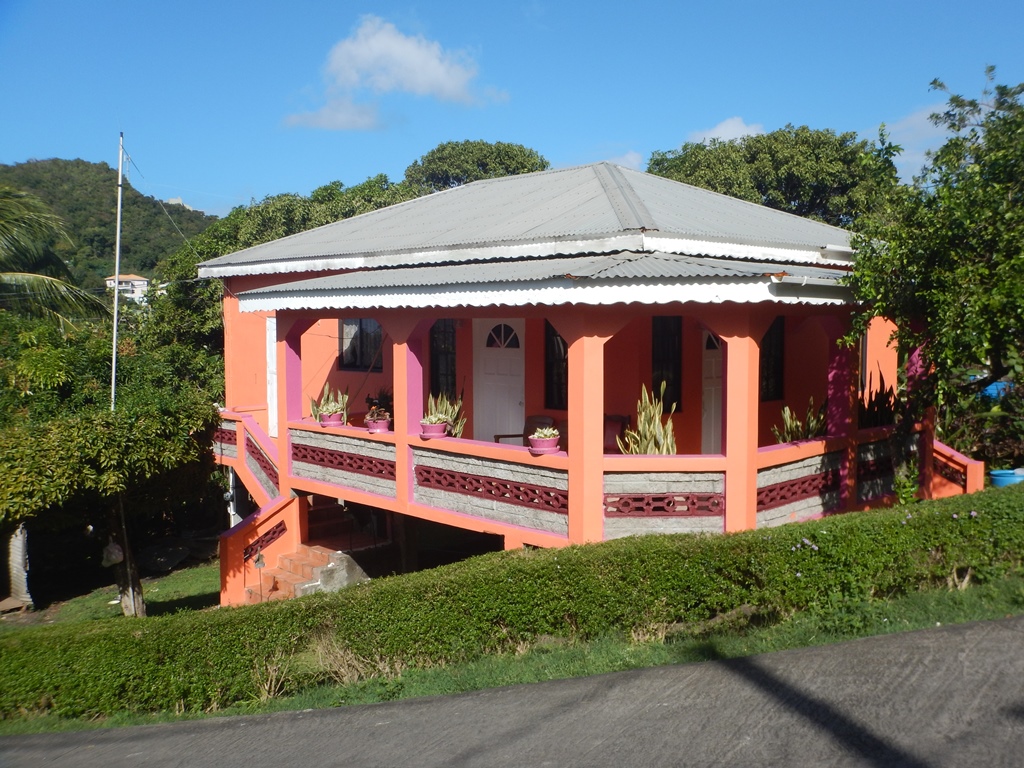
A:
(455, 163)
(33, 279)
(65, 456)
(834, 178)
(944, 259)
(32, 282)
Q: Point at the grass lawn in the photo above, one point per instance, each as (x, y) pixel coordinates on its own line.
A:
(186, 589)
(550, 659)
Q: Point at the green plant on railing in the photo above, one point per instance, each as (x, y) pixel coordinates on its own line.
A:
(330, 402)
(545, 433)
(442, 410)
(880, 409)
(793, 428)
(652, 435)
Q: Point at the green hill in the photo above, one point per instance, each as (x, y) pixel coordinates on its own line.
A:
(84, 195)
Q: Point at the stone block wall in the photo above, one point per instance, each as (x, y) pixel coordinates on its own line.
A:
(343, 460)
(516, 494)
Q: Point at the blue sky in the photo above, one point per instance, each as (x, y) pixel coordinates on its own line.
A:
(222, 102)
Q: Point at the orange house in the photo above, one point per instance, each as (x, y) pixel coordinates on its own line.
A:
(555, 294)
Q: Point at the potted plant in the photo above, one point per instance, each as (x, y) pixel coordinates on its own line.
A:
(332, 407)
(543, 440)
(443, 417)
(433, 425)
(652, 435)
(377, 419)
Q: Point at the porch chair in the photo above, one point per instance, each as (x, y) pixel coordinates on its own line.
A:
(532, 423)
(614, 426)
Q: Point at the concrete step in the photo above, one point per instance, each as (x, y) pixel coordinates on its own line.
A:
(274, 584)
(311, 568)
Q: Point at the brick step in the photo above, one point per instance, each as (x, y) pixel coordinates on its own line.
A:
(276, 583)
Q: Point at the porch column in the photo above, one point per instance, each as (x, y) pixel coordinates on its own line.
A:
(741, 331)
(586, 338)
(841, 418)
(289, 390)
(406, 333)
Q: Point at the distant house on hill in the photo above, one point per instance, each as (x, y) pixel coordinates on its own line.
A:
(133, 287)
(547, 297)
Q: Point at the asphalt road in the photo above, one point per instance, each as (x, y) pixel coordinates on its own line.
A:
(950, 696)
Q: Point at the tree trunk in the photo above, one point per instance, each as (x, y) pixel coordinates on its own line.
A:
(126, 572)
(17, 566)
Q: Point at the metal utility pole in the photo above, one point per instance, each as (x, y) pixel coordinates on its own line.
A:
(117, 269)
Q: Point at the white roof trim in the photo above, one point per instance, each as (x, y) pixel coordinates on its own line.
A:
(653, 241)
(613, 244)
(549, 292)
(640, 242)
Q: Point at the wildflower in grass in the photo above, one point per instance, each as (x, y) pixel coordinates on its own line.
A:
(955, 516)
(974, 513)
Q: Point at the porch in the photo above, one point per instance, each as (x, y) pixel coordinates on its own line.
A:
(505, 491)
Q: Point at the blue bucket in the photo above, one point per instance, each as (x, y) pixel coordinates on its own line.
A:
(1001, 477)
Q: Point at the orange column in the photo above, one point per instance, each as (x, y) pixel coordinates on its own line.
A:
(741, 331)
(586, 337)
(586, 439)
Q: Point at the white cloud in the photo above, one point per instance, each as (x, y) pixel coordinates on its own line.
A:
(338, 115)
(376, 60)
(917, 135)
(631, 159)
(730, 128)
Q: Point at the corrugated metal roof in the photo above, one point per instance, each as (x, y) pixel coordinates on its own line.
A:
(587, 209)
(590, 268)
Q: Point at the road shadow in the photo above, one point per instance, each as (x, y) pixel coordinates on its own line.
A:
(840, 727)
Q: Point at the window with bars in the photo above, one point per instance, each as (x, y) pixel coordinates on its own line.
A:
(360, 345)
(772, 350)
(556, 369)
(442, 358)
(667, 358)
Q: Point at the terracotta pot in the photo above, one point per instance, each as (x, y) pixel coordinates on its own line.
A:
(428, 431)
(378, 425)
(331, 419)
(542, 445)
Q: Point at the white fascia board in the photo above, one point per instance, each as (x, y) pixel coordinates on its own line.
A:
(693, 247)
(552, 292)
(288, 264)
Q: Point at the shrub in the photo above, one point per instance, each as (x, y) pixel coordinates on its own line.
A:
(497, 602)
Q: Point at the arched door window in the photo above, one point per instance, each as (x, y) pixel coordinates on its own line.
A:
(503, 336)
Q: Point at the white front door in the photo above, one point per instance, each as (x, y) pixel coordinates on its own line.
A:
(499, 364)
(711, 396)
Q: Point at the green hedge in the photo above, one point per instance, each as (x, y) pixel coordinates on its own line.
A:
(203, 661)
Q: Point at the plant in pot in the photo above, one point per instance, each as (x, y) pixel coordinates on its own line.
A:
(377, 419)
(652, 435)
(332, 407)
(443, 417)
(543, 440)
